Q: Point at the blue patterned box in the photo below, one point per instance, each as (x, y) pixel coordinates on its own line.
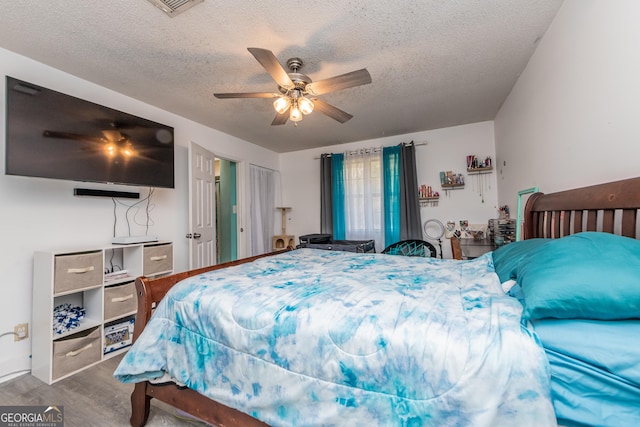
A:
(118, 336)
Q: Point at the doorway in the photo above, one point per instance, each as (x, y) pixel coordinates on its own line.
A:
(226, 211)
(213, 208)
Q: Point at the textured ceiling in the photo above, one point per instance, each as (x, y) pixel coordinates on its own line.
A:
(433, 63)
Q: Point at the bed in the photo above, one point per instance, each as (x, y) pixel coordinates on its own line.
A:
(402, 341)
(589, 326)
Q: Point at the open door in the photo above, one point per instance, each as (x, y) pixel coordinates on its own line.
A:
(202, 221)
(213, 209)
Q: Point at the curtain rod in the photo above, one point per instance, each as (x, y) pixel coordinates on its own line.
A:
(415, 144)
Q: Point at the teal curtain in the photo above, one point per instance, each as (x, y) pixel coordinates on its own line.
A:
(391, 183)
(337, 183)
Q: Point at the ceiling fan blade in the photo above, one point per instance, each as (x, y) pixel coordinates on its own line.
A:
(268, 60)
(280, 119)
(246, 95)
(331, 111)
(343, 81)
(72, 136)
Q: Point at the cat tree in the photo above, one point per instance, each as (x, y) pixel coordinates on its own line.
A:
(283, 240)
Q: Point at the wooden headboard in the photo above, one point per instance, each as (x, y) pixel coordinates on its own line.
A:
(611, 208)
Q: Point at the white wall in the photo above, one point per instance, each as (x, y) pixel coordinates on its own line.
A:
(41, 214)
(572, 118)
(446, 149)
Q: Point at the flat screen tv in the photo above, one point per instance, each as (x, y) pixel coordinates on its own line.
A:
(53, 135)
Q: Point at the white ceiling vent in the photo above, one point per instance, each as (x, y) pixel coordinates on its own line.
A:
(175, 7)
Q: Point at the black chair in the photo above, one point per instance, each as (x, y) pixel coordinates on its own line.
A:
(411, 248)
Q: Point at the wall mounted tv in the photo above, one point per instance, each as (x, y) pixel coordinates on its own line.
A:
(53, 135)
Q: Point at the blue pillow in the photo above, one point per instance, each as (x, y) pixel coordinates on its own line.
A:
(507, 258)
(588, 275)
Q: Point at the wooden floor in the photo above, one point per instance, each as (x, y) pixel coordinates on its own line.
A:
(90, 398)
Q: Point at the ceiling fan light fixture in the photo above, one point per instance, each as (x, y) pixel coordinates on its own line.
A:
(306, 105)
(295, 115)
(282, 104)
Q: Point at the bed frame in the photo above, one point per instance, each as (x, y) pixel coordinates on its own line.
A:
(611, 207)
(150, 292)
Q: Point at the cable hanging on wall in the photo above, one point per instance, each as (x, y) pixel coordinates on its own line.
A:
(147, 220)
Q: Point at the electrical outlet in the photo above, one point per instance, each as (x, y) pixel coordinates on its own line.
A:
(22, 332)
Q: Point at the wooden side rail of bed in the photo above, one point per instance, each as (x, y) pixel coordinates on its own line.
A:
(610, 207)
(149, 293)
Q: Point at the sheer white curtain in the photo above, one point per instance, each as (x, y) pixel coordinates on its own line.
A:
(364, 218)
(263, 196)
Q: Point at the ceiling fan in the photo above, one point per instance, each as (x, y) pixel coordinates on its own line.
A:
(297, 93)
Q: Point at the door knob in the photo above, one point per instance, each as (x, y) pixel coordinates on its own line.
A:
(197, 235)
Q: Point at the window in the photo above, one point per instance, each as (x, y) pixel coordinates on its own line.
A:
(363, 192)
(370, 195)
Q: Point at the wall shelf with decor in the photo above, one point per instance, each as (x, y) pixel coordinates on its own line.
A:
(428, 201)
(480, 180)
(451, 181)
(480, 170)
(447, 187)
(428, 197)
(475, 165)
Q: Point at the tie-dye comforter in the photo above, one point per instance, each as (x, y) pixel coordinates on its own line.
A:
(313, 337)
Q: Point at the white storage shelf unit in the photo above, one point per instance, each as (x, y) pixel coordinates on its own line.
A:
(102, 281)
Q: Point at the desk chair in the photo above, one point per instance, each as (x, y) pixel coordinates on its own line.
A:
(456, 250)
(411, 248)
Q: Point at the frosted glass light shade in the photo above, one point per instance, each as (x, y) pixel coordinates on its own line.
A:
(306, 106)
(295, 115)
(281, 104)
